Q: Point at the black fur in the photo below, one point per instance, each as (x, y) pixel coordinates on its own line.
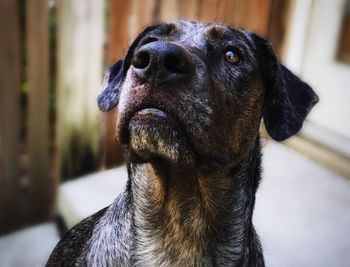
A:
(288, 100)
(70, 249)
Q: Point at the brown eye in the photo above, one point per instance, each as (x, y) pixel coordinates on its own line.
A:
(232, 57)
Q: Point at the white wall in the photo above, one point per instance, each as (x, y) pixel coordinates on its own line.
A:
(296, 35)
(311, 52)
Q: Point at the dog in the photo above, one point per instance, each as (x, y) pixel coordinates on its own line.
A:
(190, 98)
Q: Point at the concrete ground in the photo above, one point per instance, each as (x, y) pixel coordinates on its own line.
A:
(302, 213)
(29, 247)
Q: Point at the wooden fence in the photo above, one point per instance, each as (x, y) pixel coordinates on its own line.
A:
(32, 161)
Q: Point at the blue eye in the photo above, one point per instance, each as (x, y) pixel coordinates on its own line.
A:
(232, 56)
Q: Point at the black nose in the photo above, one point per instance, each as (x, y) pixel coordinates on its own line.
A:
(163, 62)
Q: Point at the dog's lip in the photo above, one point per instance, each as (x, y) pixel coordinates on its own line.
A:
(153, 111)
(160, 112)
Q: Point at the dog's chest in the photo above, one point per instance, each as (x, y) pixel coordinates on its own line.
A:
(154, 253)
(157, 254)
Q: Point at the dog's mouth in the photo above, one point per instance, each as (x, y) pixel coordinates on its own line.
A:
(153, 112)
(151, 119)
(152, 132)
(143, 117)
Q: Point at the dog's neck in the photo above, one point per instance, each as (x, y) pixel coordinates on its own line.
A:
(183, 217)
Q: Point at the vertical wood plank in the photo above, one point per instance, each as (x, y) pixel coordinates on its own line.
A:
(278, 23)
(259, 13)
(41, 195)
(208, 10)
(251, 15)
(80, 56)
(241, 14)
(188, 9)
(118, 40)
(168, 11)
(227, 10)
(118, 29)
(10, 206)
(144, 13)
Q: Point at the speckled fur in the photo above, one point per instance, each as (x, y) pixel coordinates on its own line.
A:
(193, 175)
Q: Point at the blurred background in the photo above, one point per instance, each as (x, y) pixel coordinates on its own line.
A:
(55, 145)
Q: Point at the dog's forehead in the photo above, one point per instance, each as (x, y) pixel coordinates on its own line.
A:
(197, 34)
(194, 31)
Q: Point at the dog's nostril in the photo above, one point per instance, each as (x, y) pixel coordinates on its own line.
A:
(141, 60)
(176, 63)
(162, 61)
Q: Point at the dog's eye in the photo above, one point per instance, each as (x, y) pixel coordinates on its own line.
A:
(232, 56)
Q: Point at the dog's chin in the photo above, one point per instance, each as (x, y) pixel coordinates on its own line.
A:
(154, 135)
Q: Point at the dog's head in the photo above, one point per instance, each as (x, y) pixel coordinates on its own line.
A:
(188, 92)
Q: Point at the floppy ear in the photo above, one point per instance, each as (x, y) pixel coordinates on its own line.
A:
(109, 97)
(288, 100)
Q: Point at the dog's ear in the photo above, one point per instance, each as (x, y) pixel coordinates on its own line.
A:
(288, 100)
(109, 97)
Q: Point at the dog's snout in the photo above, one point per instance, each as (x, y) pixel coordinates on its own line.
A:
(163, 61)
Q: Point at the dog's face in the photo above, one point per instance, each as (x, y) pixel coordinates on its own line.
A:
(194, 93)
